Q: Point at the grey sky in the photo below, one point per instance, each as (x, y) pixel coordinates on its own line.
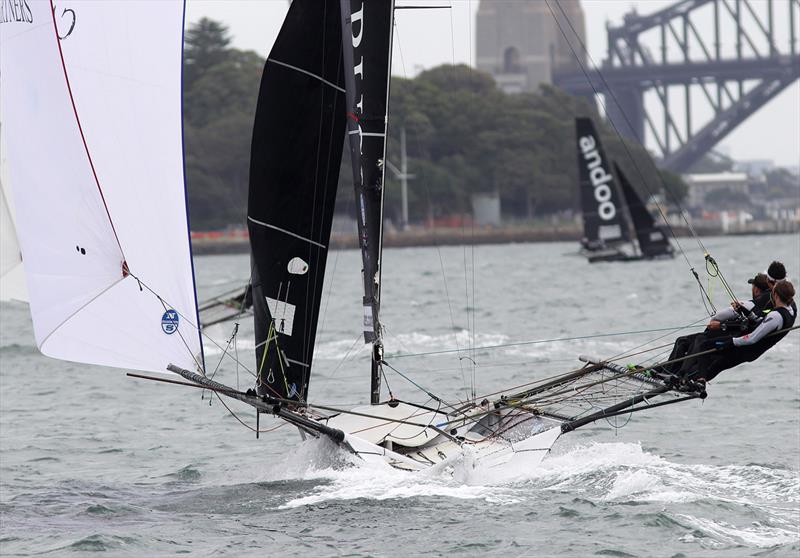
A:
(427, 38)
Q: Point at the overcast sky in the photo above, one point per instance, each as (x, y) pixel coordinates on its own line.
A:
(427, 38)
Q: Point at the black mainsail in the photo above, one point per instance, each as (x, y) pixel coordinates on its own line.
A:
(604, 222)
(367, 52)
(652, 240)
(296, 152)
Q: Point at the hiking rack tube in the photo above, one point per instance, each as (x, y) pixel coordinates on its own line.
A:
(625, 407)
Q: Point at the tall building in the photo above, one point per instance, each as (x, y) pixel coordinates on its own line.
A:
(521, 44)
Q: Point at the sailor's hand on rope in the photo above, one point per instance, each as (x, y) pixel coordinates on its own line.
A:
(714, 324)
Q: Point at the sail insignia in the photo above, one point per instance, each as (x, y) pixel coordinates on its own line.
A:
(603, 221)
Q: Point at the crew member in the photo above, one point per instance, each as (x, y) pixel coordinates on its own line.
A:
(741, 316)
(733, 351)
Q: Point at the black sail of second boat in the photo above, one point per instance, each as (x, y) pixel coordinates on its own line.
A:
(604, 222)
(367, 51)
(296, 151)
(652, 240)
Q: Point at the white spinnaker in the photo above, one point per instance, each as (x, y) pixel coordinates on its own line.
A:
(12, 276)
(122, 70)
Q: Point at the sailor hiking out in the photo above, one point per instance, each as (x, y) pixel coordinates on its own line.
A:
(734, 349)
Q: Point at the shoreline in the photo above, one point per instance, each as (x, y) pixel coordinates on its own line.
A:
(238, 243)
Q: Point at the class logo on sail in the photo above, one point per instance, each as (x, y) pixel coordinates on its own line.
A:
(15, 11)
(170, 322)
(599, 177)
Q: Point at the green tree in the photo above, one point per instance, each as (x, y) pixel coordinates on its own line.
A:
(205, 45)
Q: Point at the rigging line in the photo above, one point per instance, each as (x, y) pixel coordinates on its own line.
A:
(487, 366)
(472, 225)
(347, 354)
(167, 306)
(200, 365)
(413, 435)
(201, 333)
(234, 415)
(80, 129)
(557, 339)
(415, 384)
(622, 354)
(433, 229)
(227, 346)
(349, 207)
(396, 338)
(613, 125)
(718, 274)
(470, 343)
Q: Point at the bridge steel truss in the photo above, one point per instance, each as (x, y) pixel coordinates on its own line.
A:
(748, 58)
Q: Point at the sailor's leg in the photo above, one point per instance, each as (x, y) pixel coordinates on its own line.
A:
(710, 368)
(679, 350)
(700, 343)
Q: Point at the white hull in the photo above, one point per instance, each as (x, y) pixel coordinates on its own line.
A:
(501, 438)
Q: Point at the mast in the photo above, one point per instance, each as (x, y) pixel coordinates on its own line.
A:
(603, 221)
(367, 50)
(296, 151)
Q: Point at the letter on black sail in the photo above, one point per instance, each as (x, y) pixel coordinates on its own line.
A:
(652, 240)
(367, 44)
(603, 220)
(296, 151)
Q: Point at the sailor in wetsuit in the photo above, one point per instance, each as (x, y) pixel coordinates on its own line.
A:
(733, 351)
(774, 273)
(723, 323)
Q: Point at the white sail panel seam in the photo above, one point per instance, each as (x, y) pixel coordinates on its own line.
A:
(306, 72)
(290, 233)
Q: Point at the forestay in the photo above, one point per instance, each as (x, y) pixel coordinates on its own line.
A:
(92, 119)
(603, 219)
(298, 135)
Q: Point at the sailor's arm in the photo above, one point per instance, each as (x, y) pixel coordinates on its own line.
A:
(728, 314)
(773, 322)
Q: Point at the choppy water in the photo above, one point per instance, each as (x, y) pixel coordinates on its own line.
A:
(95, 461)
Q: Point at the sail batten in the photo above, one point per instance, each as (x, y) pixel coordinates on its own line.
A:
(302, 71)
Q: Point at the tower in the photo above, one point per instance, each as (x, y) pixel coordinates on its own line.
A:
(520, 44)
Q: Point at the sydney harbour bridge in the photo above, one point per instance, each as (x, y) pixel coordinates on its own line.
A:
(704, 66)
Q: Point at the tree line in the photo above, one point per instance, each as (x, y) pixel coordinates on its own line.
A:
(464, 136)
